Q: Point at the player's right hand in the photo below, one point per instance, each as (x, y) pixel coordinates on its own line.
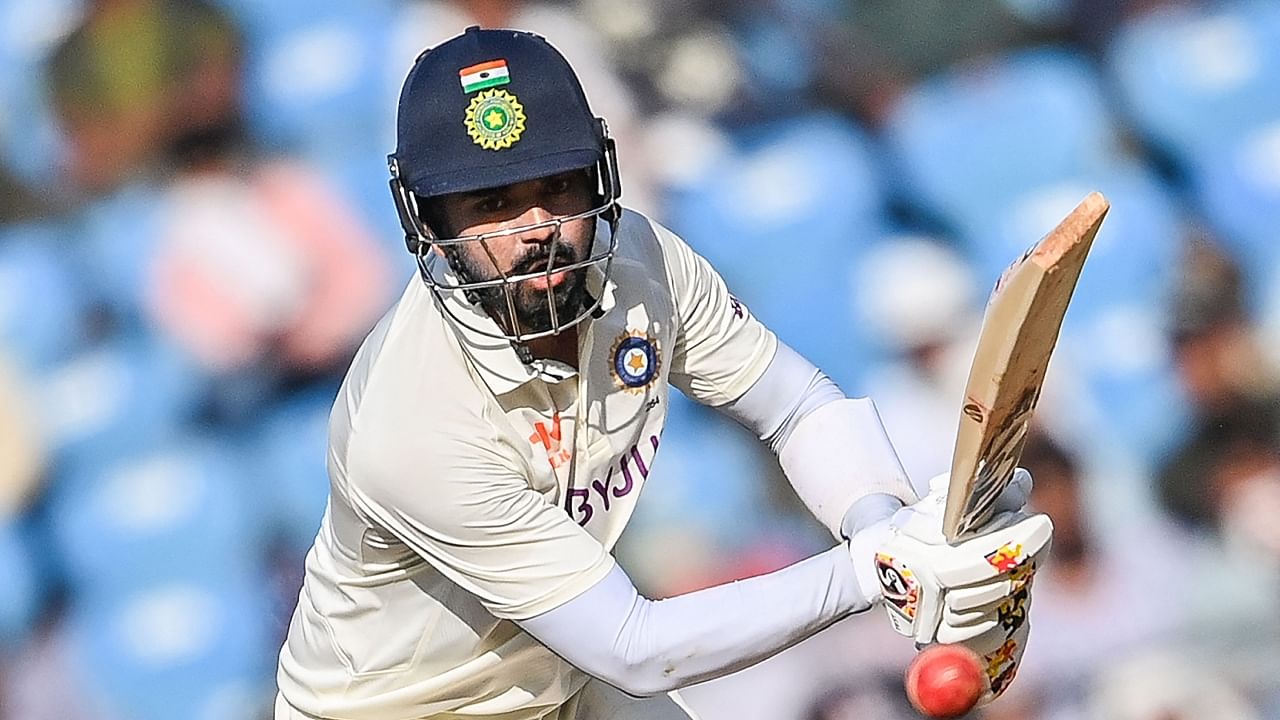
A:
(977, 592)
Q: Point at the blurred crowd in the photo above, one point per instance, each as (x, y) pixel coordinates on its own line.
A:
(196, 233)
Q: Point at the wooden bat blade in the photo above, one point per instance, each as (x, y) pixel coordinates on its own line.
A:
(1019, 331)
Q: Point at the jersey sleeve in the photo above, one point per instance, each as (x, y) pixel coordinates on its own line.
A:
(721, 348)
(467, 509)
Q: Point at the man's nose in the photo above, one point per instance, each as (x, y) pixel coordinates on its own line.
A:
(536, 215)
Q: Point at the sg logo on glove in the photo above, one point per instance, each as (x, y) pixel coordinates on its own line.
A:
(900, 590)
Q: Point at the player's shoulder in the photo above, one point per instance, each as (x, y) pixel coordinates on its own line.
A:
(638, 230)
(408, 394)
(646, 244)
(649, 244)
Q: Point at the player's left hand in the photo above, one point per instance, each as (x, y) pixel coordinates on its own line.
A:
(977, 592)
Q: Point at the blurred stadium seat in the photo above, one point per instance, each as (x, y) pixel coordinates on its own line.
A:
(969, 141)
(1134, 407)
(20, 592)
(363, 182)
(42, 301)
(782, 218)
(29, 140)
(813, 177)
(316, 79)
(289, 448)
(1239, 192)
(193, 648)
(116, 238)
(778, 57)
(129, 394)
(710, 476)
(1202, 83)
(1196, 76)
(183, 508)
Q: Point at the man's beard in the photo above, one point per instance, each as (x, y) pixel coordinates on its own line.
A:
(532, 305)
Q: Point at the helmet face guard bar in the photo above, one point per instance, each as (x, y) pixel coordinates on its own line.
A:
(423, 243)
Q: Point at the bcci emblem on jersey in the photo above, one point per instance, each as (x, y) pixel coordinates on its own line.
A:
(635, 361)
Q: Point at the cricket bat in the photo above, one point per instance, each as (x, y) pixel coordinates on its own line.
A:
(1019, 330)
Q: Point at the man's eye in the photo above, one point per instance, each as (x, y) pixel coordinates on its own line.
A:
(559, 185)
(491, 204)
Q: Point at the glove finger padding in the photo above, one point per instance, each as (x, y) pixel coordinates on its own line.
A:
(1007, 615)
(959, 610)
(977, 597)
(959, 633)
(974, 596)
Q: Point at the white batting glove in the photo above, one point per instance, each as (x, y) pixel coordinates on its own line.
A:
(976, 593)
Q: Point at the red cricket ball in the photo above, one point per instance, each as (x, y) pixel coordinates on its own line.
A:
(945, 681)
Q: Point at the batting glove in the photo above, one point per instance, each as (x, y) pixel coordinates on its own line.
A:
(977, 592)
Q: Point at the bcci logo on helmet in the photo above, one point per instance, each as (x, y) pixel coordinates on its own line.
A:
(495, 119)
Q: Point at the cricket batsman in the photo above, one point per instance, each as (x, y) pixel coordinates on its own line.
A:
(493, 436)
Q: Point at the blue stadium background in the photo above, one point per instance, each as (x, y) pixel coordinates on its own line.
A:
(195, 232)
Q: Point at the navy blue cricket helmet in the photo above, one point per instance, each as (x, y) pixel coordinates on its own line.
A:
(490, 108)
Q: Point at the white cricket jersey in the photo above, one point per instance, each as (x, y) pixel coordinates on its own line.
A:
(469, 489)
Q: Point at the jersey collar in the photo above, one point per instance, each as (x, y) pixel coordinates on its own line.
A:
(497, 360)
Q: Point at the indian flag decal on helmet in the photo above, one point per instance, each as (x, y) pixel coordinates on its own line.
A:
(484, 75)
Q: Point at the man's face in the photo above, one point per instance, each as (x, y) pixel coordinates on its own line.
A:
(514, 206)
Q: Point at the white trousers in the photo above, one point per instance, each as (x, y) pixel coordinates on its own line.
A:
(597, 700)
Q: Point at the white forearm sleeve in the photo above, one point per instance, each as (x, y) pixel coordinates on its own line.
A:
(833, 449)
(645, 647)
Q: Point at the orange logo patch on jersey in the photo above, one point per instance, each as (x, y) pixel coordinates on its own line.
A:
(549, 438)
